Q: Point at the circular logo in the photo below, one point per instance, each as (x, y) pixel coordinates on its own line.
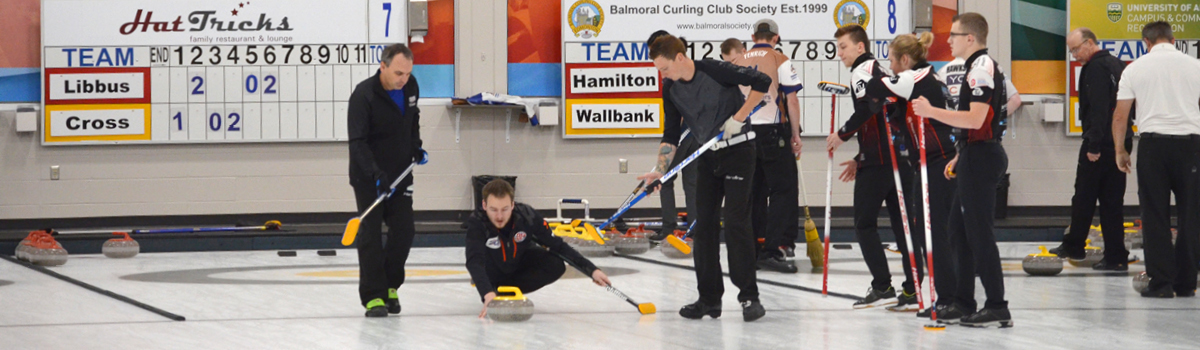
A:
(519, 237)
(851, 12)
(586, 17)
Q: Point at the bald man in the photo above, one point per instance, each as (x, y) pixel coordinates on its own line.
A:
(1097, 176)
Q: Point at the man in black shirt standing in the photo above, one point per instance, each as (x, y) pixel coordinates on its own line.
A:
(705, 95)
(979, 165)
(385, 138)
(873, 183)
(1097, 176)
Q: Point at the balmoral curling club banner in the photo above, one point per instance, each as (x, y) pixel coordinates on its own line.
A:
(610, 85)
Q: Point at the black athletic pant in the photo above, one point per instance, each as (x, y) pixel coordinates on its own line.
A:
(1169, 165)
(381, 266)
(972, 220)
(941, 195)
(1100, 180)
(776, 213)
(538, 269)
(667, 195)
(724, 175)
(873, 186)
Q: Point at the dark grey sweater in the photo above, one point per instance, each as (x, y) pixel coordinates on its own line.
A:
(706, 101)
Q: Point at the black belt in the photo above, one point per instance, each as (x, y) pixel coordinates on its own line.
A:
(969, 142)
(1150, 135)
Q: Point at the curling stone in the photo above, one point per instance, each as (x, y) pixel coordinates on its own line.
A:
(47, 252)
(1133, 235)
(670, 251)
(1093, 255)
(634, 241)
(1042, 264)
(120, 248)
(1141, 281)
(592, 249)
(506, 308)
(27, 245)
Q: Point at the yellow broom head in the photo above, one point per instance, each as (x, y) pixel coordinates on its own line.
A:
(646, 308)
(592, 234)
(351, 231)
(679, 244)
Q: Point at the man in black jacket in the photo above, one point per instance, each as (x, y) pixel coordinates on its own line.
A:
(873, 183)
(385, 138)
(507, 245)
(1097, 176)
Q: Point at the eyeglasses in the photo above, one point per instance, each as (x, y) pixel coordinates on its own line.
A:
(1072, 50)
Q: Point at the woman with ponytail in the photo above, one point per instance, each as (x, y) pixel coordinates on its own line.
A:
(914, 77)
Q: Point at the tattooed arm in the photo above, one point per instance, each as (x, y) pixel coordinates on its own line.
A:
(666, 153)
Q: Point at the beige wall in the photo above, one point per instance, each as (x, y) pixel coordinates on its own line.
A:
(311, 177)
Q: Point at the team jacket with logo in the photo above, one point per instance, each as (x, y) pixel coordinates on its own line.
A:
(868, 120)
(502, 249)
(905, 86)
(783, 77)
(984, 83)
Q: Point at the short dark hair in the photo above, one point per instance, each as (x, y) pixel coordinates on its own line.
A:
(666, 46)
(392, 50)
(857, 34)
(763, 32)
(658, 34)
(498, 188)
(1157, 31)
(730, 44)
(974, 24)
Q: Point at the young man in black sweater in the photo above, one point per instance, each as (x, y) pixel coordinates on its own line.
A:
(981, 162)
(873, 183)
(705, 95)
(509, 244)
(385, 138)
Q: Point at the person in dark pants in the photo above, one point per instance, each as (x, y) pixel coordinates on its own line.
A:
(979, 166)
(776, 191)
(1097, 176)
(871, 169)
(509, 244)
(385, 138)
(705, 95)
(1165, 85)
(687, 145)
(670, 215)
(916, 78)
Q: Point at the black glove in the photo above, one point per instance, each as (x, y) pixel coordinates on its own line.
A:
(420, 156)
(382, 185)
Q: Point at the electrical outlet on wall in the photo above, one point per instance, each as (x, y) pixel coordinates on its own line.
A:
(624, 165)
(54, 172)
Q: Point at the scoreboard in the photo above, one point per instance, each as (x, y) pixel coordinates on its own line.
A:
(208, 71)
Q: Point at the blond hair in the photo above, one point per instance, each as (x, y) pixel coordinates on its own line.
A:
(912, 45)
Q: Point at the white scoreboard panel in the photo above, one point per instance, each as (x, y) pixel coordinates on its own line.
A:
(208, 71)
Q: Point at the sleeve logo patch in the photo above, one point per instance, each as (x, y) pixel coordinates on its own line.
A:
(977, 92)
